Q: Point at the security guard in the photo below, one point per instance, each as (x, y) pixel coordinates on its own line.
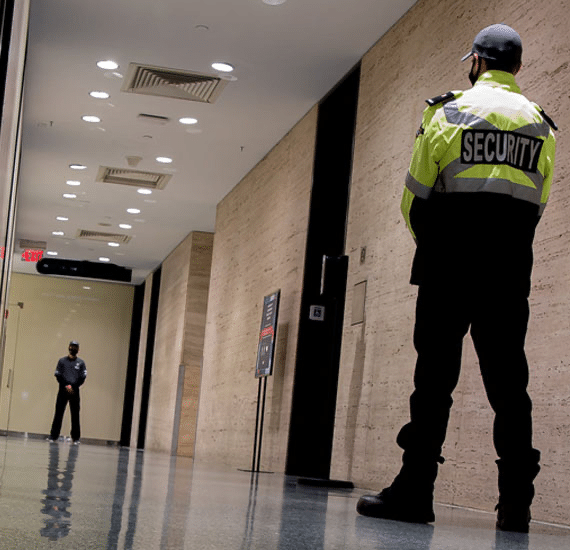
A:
(478, 183)
(70, 374)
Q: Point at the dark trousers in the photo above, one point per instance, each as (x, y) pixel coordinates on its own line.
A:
(64, 397)
(497, 320)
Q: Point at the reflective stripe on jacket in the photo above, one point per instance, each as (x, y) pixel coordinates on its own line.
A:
(487, 139)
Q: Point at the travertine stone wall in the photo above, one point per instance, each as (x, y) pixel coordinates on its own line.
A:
(194, 330)
(179, 336)
(259, 247)
(419, 58)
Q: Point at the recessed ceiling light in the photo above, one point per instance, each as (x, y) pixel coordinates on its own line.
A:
(77, 166)
(188, 120)
(133, 211)
(90, 118)
(103, 259)
(73, 182)
(274, 2)
(164, 160)
(69, 196)
(223, 67)
(125, 226)
(114, 244)
(62, 219)
(144, 191)
(58, 233)
(86, 288)
(51, 253)
(107, 65)
(99, 95)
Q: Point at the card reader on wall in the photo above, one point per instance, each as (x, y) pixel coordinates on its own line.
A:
(317, 313)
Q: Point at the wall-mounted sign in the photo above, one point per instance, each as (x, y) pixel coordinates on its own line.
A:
(266, 347)
(30, 255)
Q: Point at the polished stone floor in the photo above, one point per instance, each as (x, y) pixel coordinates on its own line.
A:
(60, 496)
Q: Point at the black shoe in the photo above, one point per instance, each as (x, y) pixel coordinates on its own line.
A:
(386, 505)
(513, 517)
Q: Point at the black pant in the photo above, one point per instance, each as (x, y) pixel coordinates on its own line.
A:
(498, 321)
(63, 397)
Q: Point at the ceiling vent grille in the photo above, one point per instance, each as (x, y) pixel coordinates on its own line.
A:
(173, 83)
(138, 178)
(29, 244)
(103, 237)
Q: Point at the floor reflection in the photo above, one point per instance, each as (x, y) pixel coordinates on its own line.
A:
(119, 499)
(57, 499)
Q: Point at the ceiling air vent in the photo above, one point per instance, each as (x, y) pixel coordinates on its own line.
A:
(139, 178)
(103, 237)
(35, 245)
(173, 83)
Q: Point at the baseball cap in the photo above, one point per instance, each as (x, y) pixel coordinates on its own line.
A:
(497, 43)
(74, 343)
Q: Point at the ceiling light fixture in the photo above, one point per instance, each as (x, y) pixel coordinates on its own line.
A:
(77, 166)
(58, 233)
(274, 2)
(51, 253)
(62, 219)
(164, 160)
(114, 244)
(107, 65)
(103, 259)
(143, 191)
(99, 95)
(125, 226)
(90, 118)
(222, 67)
(73, 182)
(188, 120)
(133, 211)
(69, 196)
(86, 288)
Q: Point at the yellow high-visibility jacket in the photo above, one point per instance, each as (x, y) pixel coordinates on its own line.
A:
(484, 157)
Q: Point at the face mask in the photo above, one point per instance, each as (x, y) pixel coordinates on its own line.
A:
(473, 76)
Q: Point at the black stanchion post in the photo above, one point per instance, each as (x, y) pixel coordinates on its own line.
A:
(261, 423)
(255, 437)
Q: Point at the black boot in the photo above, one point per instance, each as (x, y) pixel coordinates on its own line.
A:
(392, 504)
(516, 491)
(409, 498)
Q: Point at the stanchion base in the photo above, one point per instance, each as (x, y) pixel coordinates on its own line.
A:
(327, 483)
(254, 471)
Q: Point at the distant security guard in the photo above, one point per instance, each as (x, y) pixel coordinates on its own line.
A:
(478, 182)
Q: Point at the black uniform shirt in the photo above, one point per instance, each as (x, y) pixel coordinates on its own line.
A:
(71, 372)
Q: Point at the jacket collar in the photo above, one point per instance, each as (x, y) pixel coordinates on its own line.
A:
(499, 79)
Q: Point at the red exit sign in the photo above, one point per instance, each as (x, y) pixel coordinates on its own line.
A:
(32, 255)
(28, 255)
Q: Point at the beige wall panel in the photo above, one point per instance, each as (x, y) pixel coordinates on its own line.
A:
(419, 58)
(181, 319)
(194, 330)
(54, 312)
(259, 247)
(168, 348)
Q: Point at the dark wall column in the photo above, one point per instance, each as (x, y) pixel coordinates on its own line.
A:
(132, 366)
(147, 377)
(319, 342)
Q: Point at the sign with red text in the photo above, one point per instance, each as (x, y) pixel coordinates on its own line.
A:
(266, 347)
(28, 255)
(32, 255)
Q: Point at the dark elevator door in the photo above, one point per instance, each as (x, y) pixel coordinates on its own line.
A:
(324, 284)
